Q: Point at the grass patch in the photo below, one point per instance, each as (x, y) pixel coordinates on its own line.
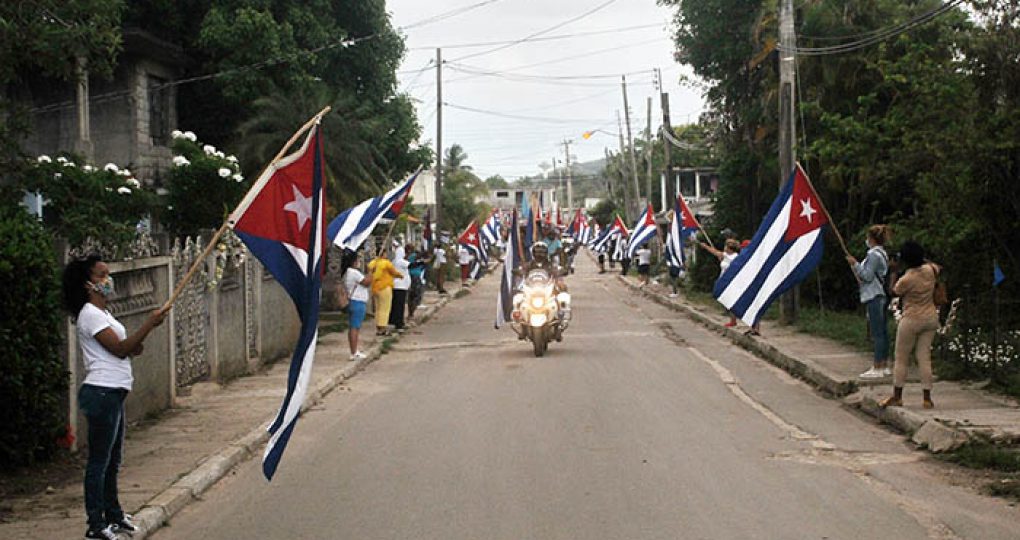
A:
(981, 455)
(461, 293)
(846, 327)
(340, 326)
(387, 344)
(1007, 487)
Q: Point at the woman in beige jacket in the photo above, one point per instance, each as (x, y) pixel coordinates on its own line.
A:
(916, 329)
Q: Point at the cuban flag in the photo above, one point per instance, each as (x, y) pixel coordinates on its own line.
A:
(504, 300)
(594, 233)
(616, 231)
(683, 226)
(350, 229)
(490, 231)
(282, 222)
(786, 248)
(644, 230)
(470, 239)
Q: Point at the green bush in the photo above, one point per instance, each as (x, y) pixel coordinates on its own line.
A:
(204, 186)
(33, 380)
(86, 201)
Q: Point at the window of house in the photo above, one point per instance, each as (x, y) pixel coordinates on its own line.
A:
(159, 111)
(502, 194)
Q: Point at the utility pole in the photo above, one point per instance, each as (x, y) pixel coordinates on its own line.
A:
(609, 178)
(570, 177)
(623, 165)
(559, 172)
(787, 128)
(630, 143)
(667, 125)
(439, 137)
(648, 149)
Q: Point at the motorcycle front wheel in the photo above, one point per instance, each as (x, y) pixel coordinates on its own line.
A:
(540, 341)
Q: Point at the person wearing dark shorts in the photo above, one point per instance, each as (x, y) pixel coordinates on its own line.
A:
(644, 267)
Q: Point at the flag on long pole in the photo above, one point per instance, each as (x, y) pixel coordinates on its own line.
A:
(644, 230)
(353, 226)
(282, 222)
(785, 249)
(504, 299)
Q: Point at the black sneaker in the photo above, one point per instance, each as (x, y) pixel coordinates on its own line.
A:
(106, 533)
(124, 526)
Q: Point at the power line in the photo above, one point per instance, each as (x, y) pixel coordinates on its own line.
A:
(539, 39)
(878, 36)
(463, 68)
(539, 33)
(519, 117)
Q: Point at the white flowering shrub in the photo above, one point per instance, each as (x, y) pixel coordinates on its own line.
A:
(205, 184)
(83, 200)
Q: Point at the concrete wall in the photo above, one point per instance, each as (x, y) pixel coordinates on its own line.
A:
(279, 323)
(228, 312)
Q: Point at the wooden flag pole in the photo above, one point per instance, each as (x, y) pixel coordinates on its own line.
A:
(393, 225)
(835, 229)
(223, 228)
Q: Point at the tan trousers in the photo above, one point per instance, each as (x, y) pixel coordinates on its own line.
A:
(914, 335)
(383, 303)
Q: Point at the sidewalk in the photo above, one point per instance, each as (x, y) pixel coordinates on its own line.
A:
(962, 412)
(171, 460)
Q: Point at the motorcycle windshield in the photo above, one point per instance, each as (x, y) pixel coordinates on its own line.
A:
(537, 278)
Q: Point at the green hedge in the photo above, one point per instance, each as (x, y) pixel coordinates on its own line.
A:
(33, 381)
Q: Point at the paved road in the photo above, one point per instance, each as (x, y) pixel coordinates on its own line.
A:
(640, 425)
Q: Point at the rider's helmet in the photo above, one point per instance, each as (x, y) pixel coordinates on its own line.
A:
(540, 251)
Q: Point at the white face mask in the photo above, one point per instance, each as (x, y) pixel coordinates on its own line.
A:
(867, 244)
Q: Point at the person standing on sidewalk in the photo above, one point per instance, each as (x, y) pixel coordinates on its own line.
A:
(400, 288)
(439, 265)
(726, 256)
(106, 354)
(357, 285)
(872, 274)
(917, 326)
(644, 264)
(383, 273)
(464, 258)
(416, 269)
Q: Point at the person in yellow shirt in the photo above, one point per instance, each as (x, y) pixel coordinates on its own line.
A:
(383, 272)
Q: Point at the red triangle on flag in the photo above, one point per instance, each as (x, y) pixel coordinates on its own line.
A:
(470, 235)
(806, 210)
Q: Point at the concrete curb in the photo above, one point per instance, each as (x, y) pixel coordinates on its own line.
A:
(804, 369)
(155, 513)
(932, 434)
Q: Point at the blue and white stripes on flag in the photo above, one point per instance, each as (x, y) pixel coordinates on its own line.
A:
(353, 226)
(282, 222)
(490, 231)
(786, 248)
(682, 227)
(504, 299)
(601, 243)
(644, 230)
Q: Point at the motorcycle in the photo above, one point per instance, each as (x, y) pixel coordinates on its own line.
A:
(541, 314)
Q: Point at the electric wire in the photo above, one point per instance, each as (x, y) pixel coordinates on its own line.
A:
(539, 33)
(538, 39)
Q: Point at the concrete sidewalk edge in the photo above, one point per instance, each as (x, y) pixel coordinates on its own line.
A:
(934, 435)
(155, 513)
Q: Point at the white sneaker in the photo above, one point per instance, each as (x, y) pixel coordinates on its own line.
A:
(872, 373)
(887, 372)
(673, 295)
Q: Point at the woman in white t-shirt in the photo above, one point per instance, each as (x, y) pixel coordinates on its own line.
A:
(644, 264)
(106, 353)
(356, 284)
(726, 257)
(400, 287)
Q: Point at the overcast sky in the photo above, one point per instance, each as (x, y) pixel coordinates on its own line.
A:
(570, 106)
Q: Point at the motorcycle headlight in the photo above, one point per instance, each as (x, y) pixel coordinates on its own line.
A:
(537, 302)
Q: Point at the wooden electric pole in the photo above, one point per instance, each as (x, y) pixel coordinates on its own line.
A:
(570, 178)
(787, 128)
(668, 194)
(439, 138)
(627, 207)
(648, 151)
(633, 157)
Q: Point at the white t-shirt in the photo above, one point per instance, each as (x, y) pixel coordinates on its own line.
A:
(463, 255)
(440, 257)
(355, 290)
(727, 258)
(644, 256)
(402, 266)
(102, 368)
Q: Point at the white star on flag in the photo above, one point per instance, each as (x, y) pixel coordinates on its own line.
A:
(301, 206)
(471, 238)
(806, 211)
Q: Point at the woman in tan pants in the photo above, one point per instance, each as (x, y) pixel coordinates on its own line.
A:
(920, 320)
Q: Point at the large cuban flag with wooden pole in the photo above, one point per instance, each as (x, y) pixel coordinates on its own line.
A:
(786, 248)
(644, 230)
(282, 222)
(504, 300)
(683, 226)
(471, 240)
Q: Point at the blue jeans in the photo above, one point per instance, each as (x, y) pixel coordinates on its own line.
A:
(879, 327)
(104, 409)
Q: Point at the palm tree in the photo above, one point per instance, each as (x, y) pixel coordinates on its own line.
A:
(355, 169)
(455, 158)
